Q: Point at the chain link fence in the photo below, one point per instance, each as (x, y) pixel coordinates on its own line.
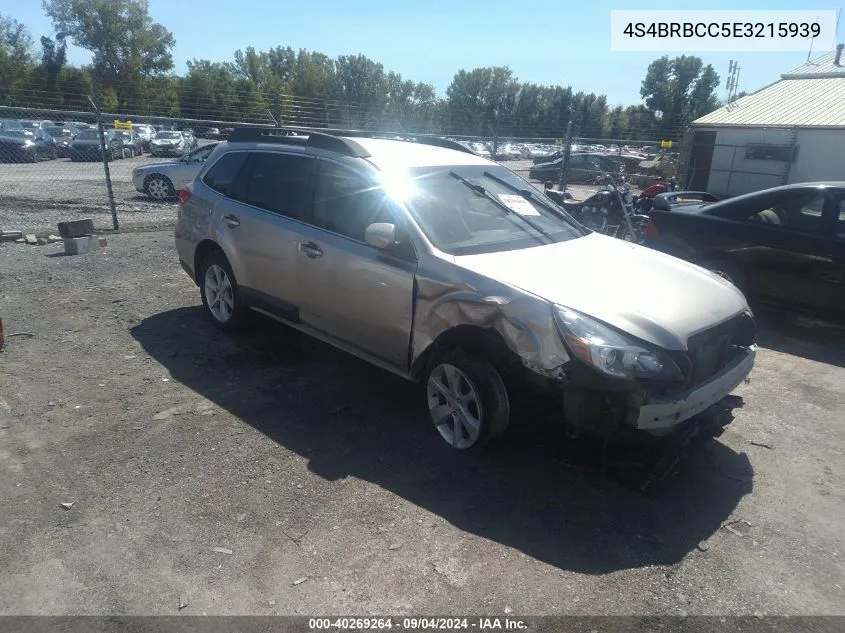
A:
(57, 165)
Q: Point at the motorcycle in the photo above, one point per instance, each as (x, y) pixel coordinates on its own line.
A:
(610, 211)
(644, 202)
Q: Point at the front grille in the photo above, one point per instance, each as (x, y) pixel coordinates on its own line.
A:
(709, 351)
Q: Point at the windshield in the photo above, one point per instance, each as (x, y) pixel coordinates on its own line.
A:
(58, 131)
(124, 134)
(199, 155)
(88, 135)
(467, 210)
(30, 125)
(18, 133)
(169, 135)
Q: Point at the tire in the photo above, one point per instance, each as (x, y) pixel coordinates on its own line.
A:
(728, 271)
(159, 187)
(467, 400)
(215, 268)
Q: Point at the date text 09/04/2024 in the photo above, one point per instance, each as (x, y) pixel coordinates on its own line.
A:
(722, 29)
(418, 624)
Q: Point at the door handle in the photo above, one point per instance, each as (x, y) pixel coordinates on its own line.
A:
(231, 220)
(311, 250)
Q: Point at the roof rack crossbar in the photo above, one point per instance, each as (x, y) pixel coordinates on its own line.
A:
(316, 138)
(330, 138)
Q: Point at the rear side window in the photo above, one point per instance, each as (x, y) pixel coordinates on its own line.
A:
(223, 174)
(278, 182)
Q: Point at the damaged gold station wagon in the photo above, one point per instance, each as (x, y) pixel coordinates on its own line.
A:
(448, 269)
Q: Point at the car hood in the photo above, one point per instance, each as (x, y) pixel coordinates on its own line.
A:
(650, 295)
(91, 143)
(165, 164)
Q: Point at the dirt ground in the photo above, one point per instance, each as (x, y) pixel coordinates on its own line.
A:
(325, 489)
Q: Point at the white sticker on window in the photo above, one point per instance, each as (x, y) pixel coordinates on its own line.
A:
(518, 204)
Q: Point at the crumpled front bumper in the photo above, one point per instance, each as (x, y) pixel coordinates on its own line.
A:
(659, 416)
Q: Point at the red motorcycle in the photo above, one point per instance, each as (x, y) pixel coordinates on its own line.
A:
(644, 201)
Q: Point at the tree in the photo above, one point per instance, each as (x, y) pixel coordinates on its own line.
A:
(362, 81)
(476, 98)
(15, 57)
(209, 91)
(45, 77)
(127, 44)
(678, 91)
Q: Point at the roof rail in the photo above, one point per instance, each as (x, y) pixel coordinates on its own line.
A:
(316, 138)
(422, 139)
(330, 138)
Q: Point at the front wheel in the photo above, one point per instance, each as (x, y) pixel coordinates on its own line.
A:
(467, 400)
(220, 298)
(159, 188)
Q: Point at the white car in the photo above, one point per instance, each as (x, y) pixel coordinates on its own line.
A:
(161, 181)
(170, 143)
(146, 132)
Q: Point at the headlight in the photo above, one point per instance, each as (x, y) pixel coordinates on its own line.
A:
(611, 352)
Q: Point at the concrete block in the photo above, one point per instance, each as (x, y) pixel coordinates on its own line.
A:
(79, 245)
(31, 239)
(77, 228)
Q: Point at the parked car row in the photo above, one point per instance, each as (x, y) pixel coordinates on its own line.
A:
(31, 141)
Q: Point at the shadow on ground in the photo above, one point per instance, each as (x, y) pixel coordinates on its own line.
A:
(800, 334)
(534, 491)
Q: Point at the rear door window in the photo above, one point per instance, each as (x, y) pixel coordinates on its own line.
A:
(279, 183)
(224, 172)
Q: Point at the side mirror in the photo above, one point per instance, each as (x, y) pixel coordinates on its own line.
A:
(380, 235)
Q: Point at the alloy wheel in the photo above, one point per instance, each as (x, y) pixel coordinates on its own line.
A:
(158, 188)
(455, 406)
(218, 293)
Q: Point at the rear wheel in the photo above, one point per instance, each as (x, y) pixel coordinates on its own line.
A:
(467, 400)
(219, 290)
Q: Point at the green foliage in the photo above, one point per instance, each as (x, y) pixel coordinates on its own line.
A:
(679, 90)
(15, 57)
(125, 41)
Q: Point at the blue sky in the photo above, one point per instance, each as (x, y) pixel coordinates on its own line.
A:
(541, 41)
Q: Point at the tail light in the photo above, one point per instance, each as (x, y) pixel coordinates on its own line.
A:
(651, 230)
(184, 195)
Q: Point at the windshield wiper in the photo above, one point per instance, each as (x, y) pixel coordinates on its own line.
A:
(489, 196)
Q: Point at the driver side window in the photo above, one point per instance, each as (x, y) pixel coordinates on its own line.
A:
(802, 213)
(577, 161)
(347, 204)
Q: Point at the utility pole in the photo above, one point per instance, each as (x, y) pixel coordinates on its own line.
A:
(102, 133)
(566, 151)
(733, 80)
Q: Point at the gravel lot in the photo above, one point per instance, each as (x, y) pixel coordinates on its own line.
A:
(171, 440)
(36, 197)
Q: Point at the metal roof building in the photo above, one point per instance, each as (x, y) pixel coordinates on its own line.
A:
(790, 131)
